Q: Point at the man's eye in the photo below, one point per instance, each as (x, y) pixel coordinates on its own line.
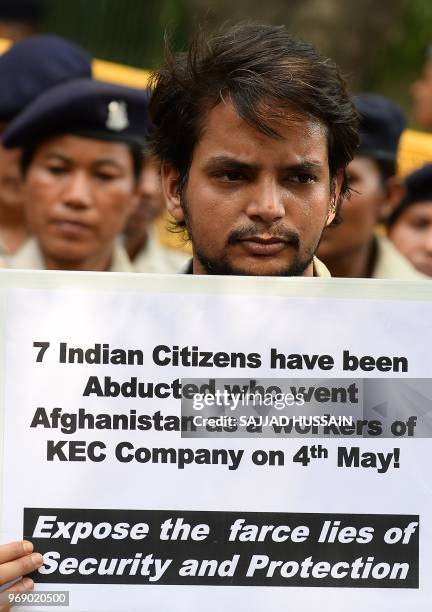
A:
(302, 178)
(106, 176)
(231, 176)
(420, 224)
(56, 170)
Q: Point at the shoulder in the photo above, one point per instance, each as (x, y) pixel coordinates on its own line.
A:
(391, 264)
(28, 257)
(120, 261)
(156, 258)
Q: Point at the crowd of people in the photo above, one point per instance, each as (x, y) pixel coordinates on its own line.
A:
(252, 143)
(77, 191)
(83, 184)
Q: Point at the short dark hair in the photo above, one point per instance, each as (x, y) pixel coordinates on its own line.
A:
(136, 151)
(252, 64)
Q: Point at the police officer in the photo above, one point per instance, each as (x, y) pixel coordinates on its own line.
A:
(81, 159)
(410, 224)
(353, 249)
(27, 70)
(140, 237)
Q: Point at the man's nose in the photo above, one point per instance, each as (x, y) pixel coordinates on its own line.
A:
(150, 183)
(266, 202)
(77, 193)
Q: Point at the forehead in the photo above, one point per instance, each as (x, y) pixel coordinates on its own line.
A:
(362, 164)
(419, 209)
(85, 150)
(225, 133)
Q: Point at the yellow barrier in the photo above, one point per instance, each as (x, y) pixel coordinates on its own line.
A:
(415, 150)
(117, 73)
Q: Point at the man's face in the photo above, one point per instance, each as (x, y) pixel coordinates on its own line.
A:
(422, 94)
(359, 212)
(255, 205)
(412, 235)
(151, 202)
(78, 194)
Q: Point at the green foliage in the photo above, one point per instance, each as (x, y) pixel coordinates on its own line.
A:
(126, 31)
(132, 32)
(401, 63)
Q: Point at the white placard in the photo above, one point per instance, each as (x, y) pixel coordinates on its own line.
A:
(139, 509)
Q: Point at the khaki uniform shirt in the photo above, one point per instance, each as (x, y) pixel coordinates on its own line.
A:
(320, 269)
(156, 258)
(390, 263)
(3, 249)
(29, 257)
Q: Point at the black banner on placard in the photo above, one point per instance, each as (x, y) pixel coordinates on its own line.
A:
(224, 548)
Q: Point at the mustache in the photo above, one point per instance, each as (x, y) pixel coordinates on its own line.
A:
(251, 230)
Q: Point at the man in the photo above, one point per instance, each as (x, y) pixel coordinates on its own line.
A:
(27, 70)
(81, 159)
(140, 236)
(254, 130)
(410, 224)
(353, 249)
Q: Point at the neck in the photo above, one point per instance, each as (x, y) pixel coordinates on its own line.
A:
(98, 263)
(13, 230)
(134, 244)
(355, 264)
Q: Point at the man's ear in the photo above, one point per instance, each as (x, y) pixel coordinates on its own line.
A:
(336, 188)
(395, 193)
(171, 189)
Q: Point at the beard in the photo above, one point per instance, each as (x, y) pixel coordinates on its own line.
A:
(221, 265)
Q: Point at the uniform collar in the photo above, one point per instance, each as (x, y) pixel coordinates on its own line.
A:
(29, 257)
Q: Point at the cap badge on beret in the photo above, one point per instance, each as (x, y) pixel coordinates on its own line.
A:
(117, 119)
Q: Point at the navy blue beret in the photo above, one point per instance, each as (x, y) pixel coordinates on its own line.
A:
(35, 64)
(381, 125)
(85, 107)
(418, 187)
(419, 184)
